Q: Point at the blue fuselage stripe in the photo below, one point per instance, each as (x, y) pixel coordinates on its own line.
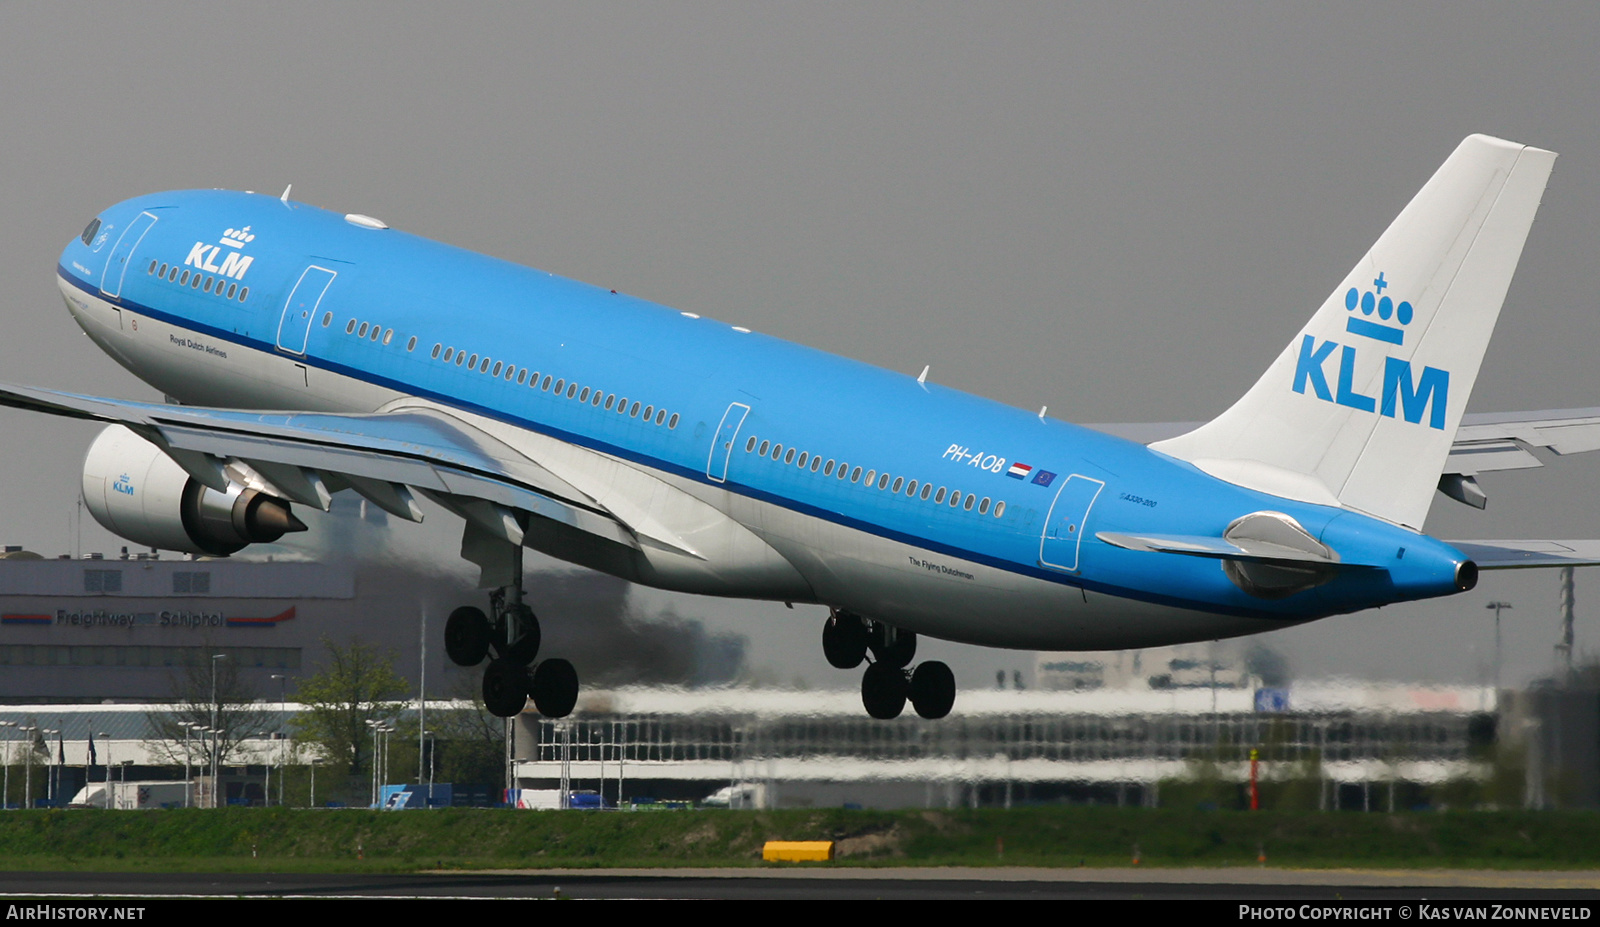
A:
(661, 464)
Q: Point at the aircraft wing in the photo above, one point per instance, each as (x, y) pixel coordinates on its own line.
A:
(1484, 443)
(304, 456)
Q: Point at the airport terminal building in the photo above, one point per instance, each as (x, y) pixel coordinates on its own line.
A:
(93, 630)
(76, 635)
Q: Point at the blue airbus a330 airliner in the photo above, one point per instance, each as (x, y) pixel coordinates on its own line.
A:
(306, 352)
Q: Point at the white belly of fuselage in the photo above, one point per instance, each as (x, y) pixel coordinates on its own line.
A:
(786, 556)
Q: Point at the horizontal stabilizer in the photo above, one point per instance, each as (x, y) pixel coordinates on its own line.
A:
(1252, 550)
(1486, 442)
(1529, 554)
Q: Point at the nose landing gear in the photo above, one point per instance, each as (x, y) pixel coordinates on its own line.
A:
(887, 684)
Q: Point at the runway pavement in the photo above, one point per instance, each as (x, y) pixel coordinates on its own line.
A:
(1268, 884)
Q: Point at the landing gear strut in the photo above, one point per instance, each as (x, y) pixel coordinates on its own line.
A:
(887, 684)
(512, 636)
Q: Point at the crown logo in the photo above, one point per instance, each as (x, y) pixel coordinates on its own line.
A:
(236, 238)
(1384, 307)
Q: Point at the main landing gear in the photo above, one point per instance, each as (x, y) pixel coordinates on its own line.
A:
(513, 638)
(887, 684)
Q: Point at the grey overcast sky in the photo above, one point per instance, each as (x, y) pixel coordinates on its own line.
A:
(1119, 210)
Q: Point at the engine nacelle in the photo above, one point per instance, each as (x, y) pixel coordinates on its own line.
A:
(137, 492)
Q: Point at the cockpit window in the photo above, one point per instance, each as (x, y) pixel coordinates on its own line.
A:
(89, 230)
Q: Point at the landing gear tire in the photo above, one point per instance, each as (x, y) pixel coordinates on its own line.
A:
(844, 640)
(883, 691)
(505, 688)
(933, 690)
(892, 646)
(554, 688)
(466, 636)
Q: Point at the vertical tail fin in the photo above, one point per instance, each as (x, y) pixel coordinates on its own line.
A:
(1360, 410)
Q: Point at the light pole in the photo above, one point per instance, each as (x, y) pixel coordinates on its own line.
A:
(432, 747)
(266, 791)
(5, 798)
(105, 739)
(212, 767)
(283, 714)
(1497, 608)
(27, 764)
(49, 766)
(388, 729)
(188, 764)
(374, 726)
(216, 740)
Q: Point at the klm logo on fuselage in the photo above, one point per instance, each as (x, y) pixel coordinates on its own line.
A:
(204, 254)
(1411, 397)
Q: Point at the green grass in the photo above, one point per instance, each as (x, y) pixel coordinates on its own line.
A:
(282, 840)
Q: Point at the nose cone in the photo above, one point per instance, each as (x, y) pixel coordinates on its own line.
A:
(99, 260)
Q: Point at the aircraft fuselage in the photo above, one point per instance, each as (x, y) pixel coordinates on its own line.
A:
(805, 476)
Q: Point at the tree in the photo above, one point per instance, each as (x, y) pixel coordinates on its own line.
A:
(223, 702)
(358, 685)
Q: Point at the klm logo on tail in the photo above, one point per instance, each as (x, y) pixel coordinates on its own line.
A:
(1411, 396)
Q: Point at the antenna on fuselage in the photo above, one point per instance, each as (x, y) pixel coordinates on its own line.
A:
(1042, 411)
(284, 199)
(922, 378)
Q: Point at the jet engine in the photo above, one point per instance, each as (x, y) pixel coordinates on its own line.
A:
(137, 492)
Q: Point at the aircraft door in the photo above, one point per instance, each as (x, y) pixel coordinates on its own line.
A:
(1064, 527)
(117, 262)
(722, 444)
(294, 326)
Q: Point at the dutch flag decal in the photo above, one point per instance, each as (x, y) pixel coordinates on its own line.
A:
(1019, 471)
